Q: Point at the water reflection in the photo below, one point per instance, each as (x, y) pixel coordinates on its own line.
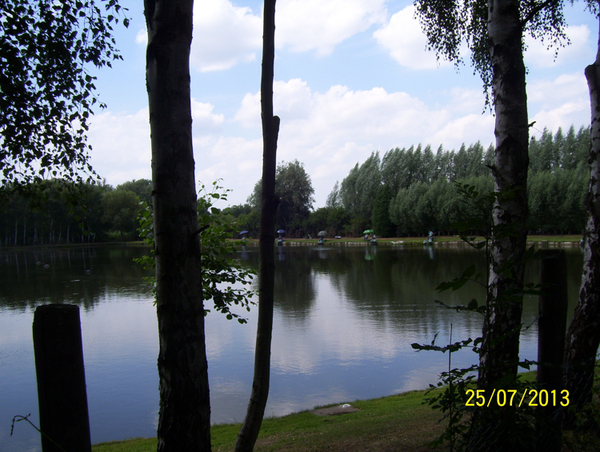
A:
(78, 276)
(344, 321)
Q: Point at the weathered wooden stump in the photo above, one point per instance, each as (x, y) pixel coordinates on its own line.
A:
(64, 419)
(551, 338)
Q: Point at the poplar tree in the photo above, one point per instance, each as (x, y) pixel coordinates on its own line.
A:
(382, 225)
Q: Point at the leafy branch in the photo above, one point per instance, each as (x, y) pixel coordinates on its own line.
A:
(221, 274)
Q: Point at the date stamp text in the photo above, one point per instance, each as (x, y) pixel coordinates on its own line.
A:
(510, 397)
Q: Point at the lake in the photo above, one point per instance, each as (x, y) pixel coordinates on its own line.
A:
(344, 321)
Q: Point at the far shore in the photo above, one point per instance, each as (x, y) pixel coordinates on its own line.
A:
(540, 240)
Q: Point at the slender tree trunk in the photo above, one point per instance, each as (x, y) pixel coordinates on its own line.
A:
(262, 359)
(184, 415)
(500, 349)
(501, 331)
(583, 336)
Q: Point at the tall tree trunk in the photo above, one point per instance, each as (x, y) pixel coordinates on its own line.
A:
(583, 336)
(501, 330)
(184, 415)
(500, 348)
(262, 359)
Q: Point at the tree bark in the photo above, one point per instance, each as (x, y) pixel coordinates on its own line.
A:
(583, 336)
(500, 348)
(184, 415)
(501, 330)
(262, 354)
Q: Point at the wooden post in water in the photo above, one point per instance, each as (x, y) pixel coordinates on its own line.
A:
(551, 338)
(64, 419)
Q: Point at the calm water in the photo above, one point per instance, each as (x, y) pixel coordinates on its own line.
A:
(344, 321)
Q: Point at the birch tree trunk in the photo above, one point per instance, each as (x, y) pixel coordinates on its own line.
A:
(583, 336)
(262, 359)
(501, 330)
(184, 415)
(496, 428)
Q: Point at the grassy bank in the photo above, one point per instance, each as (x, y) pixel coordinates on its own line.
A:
(399, 423)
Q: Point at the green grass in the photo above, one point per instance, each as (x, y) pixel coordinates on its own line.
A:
(395, 423)
(398, 423)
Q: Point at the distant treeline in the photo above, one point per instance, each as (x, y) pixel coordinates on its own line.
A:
(406, 192)
(411, 191)
(54, 212)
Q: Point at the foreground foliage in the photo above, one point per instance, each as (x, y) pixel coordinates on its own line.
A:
(47, 91)
(223, 277)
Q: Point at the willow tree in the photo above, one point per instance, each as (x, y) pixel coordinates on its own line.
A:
(494, 31)
(184, 414)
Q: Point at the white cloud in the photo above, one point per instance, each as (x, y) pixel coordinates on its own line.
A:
(403, 38)
(329, 132)
(121, 142)
(141, 37)
(538, 53)
(291, 101)
(565, 115)
(236, 160)
(467, 99)
(224, 35)
(562, 102)
(467, 129)
(248, 115)
(565, 88)
(322, 24)
(121, 146)
(202, 115)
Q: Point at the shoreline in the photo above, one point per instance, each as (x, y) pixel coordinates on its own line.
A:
(542, 240)
(403, 422)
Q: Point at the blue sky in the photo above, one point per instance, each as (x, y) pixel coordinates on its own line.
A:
(351, 77)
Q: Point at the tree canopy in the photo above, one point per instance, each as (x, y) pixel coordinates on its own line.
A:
(449, 25)
(295, 191)
(47, 93)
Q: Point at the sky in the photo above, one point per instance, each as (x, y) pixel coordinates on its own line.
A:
(351, 77)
